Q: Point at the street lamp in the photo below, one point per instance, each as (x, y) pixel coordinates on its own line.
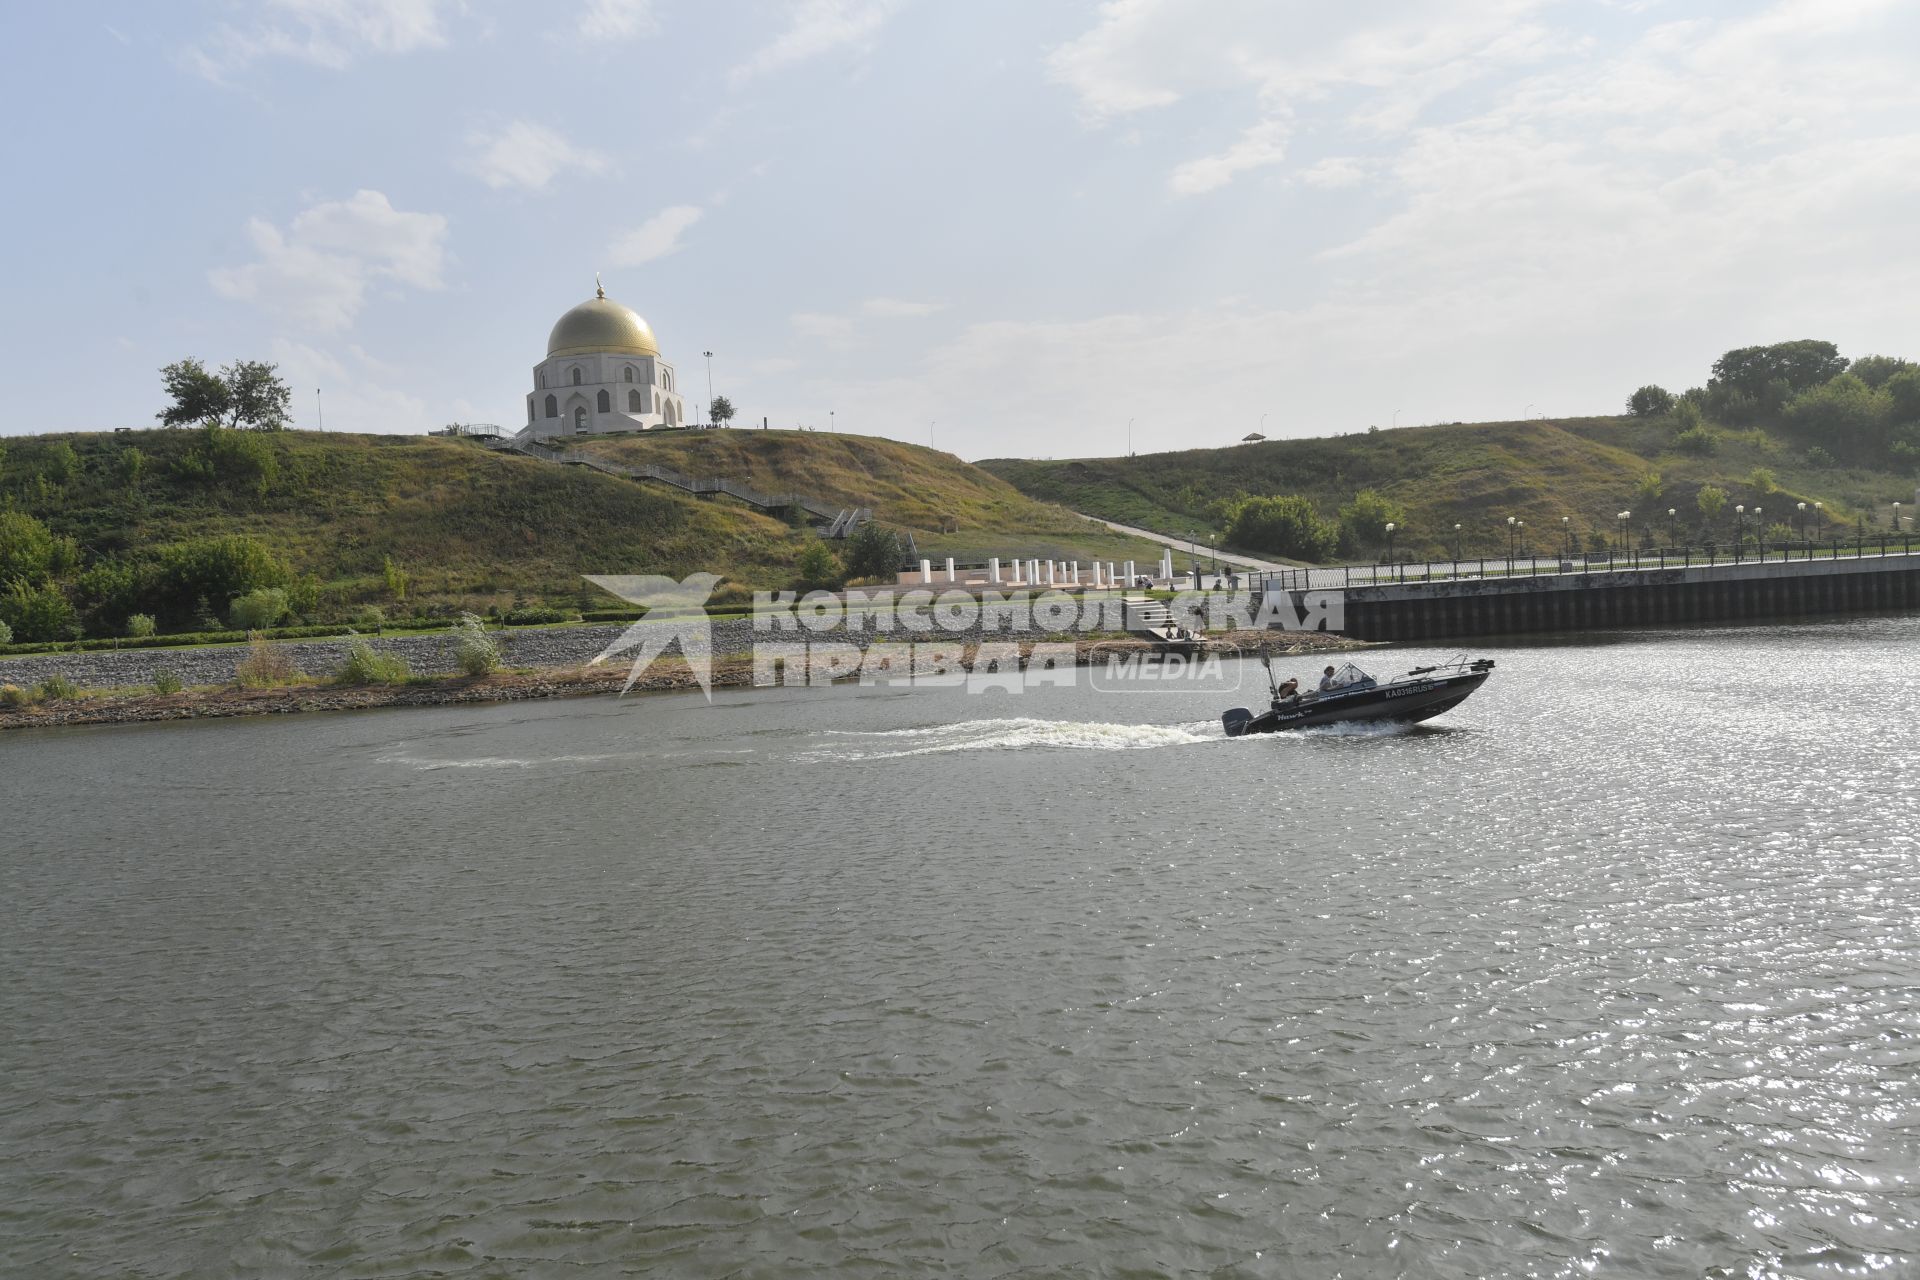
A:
(1456, 544)
(1129, 437)
(1566, 535)
(1513, 528)
(1626, 537)
(1802, 507)
(1739, 528)
(930, 427)
(709, 356)
(1820, 517)
(1759, 534)
(1896, 517)
(1391, 526)
(1673, 526)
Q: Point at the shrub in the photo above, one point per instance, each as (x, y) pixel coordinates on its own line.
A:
(37, 613)
(1761, 478)
(534, 615)
(1818, 457)
(394, 577)
(265, 666)
(56, 688)
(1698, 441)
(368, 665)
(12, 695)
(874, 551)
(1287, 526)
(166, 682)
(140, 626)
(1650, 401)
(1687, 415)
(1364, 519)
(473, 649)
(258, 609)
(819, 569)
(6, 634)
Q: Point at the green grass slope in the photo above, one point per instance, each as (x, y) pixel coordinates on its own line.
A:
(907, 486)
(1476, 475)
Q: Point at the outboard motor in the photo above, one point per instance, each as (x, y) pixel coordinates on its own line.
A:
(1235, 722)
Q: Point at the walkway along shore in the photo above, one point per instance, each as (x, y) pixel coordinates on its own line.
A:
(669, 674)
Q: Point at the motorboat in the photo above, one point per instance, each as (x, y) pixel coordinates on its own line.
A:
(1353, 696)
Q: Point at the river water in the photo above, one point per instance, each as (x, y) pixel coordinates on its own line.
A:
(1613, 971)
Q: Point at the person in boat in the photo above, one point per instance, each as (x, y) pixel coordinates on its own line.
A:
(1289, 688)
(1326, 681)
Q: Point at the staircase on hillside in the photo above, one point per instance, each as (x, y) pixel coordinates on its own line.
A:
(1145, 616)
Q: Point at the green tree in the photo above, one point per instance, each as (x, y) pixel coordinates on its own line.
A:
(196, 394)
(1711, 500)
(1875, 371)
(37, 613)
(720, 412)
(258, 609)
(1647, 490)
(1287, 525)
(58, 462)
(190, 573)
(247, 394)
(1687, 415)
(1805, 363)
(140, 625)
(1650, 402)
(1844, 415)
(874, 551)
(127, 466)
(394, 578)
(1903, 395)
(1762, 481)
(27, 551)
(1364, 519)
(819, 569)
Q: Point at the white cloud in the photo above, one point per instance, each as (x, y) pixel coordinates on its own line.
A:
(900, 308)
(618, 19)
(818, 27)
(526, 155)
(316, 274)
(327, 33)
(655, 238)
(1260, 147)
(1334, 172)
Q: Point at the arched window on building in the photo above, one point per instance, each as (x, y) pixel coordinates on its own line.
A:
(580, 421)
(553, 407)
(633, 402)
(543, 379)
(529, 410)
(606, 402)
(576, 375)
(629, 373)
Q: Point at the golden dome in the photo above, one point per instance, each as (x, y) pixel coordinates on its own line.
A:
(601, 324)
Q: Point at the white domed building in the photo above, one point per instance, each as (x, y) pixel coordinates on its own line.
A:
(603, 372)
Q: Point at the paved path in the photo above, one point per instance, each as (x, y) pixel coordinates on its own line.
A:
(1183, 547)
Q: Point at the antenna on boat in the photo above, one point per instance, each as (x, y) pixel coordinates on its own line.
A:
(1266, 660)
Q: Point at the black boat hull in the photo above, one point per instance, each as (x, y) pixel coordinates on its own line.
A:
(1401, 702)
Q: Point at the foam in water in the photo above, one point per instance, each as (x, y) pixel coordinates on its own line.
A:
(1011, 735)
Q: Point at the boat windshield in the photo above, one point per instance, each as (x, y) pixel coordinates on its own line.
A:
(1352, 677)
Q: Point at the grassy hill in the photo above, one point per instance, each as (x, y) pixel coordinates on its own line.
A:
(908, 487)
(468, 527)
(1474, 474)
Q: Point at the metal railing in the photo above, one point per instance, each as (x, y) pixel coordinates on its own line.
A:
(1393, 573)
(840, 516)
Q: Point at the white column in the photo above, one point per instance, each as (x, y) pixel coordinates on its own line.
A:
(1097, 583)
(949, 568)
(1131, 575)
(1049, 573)
(926, 571)
(1073, 572)
(993, 571)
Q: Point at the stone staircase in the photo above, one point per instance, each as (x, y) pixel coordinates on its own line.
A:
(1145, 616)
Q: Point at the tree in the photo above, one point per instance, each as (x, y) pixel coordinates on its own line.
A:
(1845, 415)
(128, 465)
(258, 609)
(1903, 394)
(819, 569)
(874, 551)
(37, 613)
(1876, 370)
(1756, 382)
(1287, 526)
(1364, 519)
(198, 395)
(26, 548)
(1647, 490)
(720, 412)
(246, 394)
(1650, 402)
(1712, 500)
(257, 399)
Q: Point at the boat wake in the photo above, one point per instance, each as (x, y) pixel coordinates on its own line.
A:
(1008, 735)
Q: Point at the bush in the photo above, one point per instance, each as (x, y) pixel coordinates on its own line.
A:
(140, 626)
(1287, 526)
(1818, 457)
(819, 569)
(57, 688)
(368, 665)
(874, 551)
(12, 695)
(265, 666)
(1698, 441)
(258, 609)
(1364, 520)
(37, 613)
(1650, 402)
(473, 649)
(394, 578)
(166, 682)
(536, 615)
(1761, 478)
(6, 634)
(372, 617)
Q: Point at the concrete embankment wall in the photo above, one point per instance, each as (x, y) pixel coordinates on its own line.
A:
(1573, 602)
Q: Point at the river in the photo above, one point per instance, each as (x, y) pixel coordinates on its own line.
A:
(1615, 970)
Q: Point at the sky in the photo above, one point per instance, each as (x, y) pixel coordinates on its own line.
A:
(1002, 227)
